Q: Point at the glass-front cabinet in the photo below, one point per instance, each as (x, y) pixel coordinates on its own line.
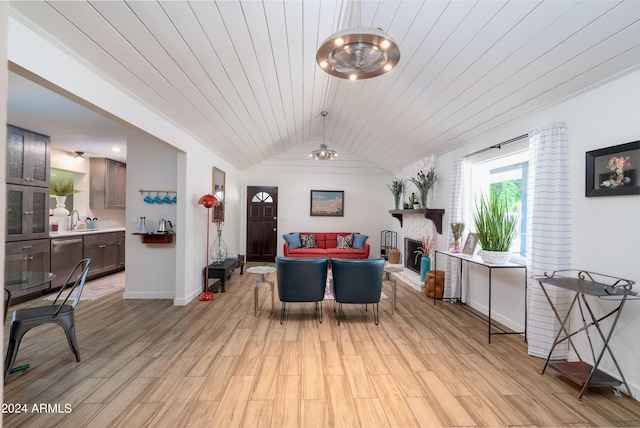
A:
(27, 212)
(28, 157)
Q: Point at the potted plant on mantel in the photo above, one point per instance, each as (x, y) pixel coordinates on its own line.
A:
(496, 228)
(61, 189)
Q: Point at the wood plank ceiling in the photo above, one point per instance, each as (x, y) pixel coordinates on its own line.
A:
(241, 75)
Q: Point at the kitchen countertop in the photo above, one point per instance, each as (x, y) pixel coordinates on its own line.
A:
(82, 232)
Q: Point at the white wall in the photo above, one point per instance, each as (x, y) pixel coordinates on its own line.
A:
(605, 232)
(367, 202)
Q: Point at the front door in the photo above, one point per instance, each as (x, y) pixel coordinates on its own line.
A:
(262, 223)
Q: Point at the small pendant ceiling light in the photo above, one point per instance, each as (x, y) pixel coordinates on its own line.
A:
(358, 52)
(323, 153)
(78, 156)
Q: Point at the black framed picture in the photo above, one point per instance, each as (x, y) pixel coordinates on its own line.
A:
(327, 203)
(613, 171)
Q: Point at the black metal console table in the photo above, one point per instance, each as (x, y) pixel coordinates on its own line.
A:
(584, 284)
(490, 267)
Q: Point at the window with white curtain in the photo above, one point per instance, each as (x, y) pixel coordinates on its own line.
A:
(502, 173)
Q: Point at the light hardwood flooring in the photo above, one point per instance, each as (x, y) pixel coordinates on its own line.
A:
(148, 363)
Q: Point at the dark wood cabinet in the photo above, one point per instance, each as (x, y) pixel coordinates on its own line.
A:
(28, 256)
(28, 157)
(102, 249)
(108, 184)
(121, 249)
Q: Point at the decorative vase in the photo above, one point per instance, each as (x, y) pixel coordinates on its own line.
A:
(416, 206)
(494, 257)
(425, 266)
(218, 250)
(396, 200)
(423, 198)
(60, 209)
(456, 246)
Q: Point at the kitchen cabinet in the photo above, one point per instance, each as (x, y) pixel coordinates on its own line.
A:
(121, 249)
(108, 183)
(25, 256)
(102, 249)
(28, 157)
(27, 212)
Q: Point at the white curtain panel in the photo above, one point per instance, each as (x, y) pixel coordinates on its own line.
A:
(549, 234)
(452, 267)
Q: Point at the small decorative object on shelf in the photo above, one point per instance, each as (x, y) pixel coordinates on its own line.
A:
(396, 187)
(413, 202)
(456, 228)
(424, 182)
(428, 244)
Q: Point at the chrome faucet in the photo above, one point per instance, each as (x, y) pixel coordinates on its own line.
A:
(75, 225)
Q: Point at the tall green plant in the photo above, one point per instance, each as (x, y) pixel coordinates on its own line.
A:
(495, 225)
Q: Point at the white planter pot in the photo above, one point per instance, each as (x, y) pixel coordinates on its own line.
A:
(494, 257)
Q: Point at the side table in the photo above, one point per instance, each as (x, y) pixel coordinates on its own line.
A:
(389, 269)
(584, 283)
(222, 271)
(261, 271)
(490, 267)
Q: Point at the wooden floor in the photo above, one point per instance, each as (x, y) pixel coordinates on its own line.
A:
(148, 363)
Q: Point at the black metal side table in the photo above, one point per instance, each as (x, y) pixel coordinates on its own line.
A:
(583, 284)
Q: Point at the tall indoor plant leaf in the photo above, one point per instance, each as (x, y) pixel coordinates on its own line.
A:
(495, 225)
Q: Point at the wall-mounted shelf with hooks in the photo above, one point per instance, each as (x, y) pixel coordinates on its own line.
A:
(156, 191)
(158, 199)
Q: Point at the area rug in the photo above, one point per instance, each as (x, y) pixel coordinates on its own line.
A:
(328, 295)
(98, 287)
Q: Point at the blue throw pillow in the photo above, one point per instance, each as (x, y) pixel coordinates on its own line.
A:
(293, 239)
(359, 240)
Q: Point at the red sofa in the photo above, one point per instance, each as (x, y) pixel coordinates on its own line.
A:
(326, 246)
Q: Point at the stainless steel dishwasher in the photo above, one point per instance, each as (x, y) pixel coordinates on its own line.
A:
(65, 253)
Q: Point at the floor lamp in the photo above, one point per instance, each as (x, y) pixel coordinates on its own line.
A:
(208, 201)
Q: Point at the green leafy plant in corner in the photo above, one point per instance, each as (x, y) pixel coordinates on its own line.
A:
(62, 188)
(495, 225)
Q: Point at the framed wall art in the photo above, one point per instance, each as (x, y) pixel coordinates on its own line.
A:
(470, 244)
(613, 171)
(218, 192)
(327, 203)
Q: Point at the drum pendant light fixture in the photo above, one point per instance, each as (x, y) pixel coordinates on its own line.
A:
(358, 52)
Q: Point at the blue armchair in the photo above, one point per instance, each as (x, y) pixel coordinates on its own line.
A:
(301, 280)
(357, 281)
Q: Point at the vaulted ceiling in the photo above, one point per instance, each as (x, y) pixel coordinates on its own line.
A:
(241, 75)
